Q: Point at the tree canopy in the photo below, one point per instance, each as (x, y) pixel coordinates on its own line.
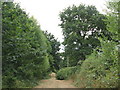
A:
(81, 26)
(24, 46)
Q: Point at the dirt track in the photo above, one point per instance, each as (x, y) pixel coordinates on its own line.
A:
(53, 83)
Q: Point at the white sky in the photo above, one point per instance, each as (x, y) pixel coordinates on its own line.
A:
(47, 12)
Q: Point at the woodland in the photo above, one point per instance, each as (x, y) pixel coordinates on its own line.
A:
(91, 47)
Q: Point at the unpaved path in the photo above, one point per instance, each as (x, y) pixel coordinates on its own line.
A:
(53, 83)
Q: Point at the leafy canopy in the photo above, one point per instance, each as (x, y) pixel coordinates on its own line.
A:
(81, 26)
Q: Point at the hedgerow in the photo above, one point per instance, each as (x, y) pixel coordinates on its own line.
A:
(24, 48)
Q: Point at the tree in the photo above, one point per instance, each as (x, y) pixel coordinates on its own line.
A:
(81, 26)
(100, 69)
(113, 19)
(54, 54)
(24, 48)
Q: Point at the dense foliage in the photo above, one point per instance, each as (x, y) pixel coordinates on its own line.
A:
(24, 48)
(54, 54)
(100, 69)
(81, 26)
(65, 73)
(91, 47)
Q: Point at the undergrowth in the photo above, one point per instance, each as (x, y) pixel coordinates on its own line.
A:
(99, 70)
(65, 73)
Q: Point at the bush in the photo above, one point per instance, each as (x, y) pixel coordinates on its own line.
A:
(99, 70)
(65, 73)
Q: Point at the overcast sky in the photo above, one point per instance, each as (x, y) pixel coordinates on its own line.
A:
(47, 12)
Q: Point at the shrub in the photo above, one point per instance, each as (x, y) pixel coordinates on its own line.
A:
(99, 70)
(65, 73)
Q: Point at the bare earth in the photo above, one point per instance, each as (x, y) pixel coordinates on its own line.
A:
(53, 83)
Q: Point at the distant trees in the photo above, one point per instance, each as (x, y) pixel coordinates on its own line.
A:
(81, 26)
(54, 54)
(24, 48)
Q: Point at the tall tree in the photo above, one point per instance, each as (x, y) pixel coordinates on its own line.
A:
(24, 48)
(81, 26)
